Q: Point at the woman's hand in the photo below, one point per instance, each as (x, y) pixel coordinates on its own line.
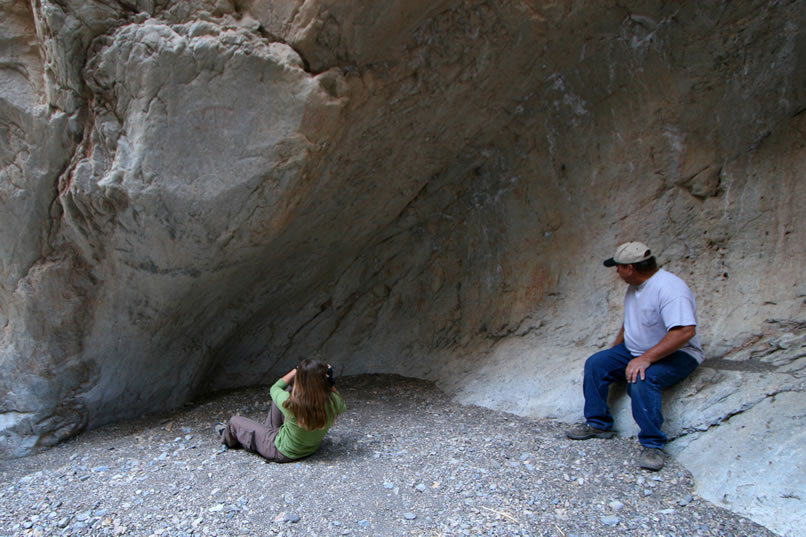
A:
(288, 377)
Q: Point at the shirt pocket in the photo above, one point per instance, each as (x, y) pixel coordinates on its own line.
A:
(650, 317)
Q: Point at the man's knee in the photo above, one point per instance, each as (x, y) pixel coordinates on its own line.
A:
(597, 364)
(591, 370)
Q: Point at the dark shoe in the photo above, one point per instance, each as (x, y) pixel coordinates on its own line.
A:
(651, 459)
(583, 431)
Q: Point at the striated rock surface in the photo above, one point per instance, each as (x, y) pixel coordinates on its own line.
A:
(193, 195)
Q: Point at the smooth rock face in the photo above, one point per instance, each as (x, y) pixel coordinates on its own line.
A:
(194, 195)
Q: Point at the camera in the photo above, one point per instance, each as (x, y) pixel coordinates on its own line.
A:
(330, 379)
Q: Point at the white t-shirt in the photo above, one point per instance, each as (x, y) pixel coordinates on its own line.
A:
(651, 309)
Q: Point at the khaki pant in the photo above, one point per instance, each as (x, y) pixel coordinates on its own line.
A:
(250, 435)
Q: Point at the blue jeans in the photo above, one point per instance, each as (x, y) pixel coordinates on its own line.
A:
(610, 365)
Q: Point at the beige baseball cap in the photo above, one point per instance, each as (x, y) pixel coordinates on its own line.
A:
(629, 252)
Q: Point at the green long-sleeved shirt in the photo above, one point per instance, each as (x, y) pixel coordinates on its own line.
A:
(293, 441)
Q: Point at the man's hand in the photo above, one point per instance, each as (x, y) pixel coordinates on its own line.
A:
(637, 368)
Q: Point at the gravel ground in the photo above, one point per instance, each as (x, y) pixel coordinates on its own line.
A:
(404, 460)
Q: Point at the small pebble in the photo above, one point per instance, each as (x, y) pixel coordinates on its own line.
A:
(616, 505)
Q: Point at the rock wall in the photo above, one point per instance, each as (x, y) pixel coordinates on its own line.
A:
(194, 195)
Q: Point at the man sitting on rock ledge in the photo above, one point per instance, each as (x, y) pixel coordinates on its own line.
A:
(656, 347)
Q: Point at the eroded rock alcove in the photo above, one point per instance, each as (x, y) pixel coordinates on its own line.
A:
(194, 195)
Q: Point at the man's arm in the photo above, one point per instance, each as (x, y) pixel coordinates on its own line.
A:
(673, 341)
(619, 337)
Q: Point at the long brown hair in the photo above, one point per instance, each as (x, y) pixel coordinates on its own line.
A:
(310, 398)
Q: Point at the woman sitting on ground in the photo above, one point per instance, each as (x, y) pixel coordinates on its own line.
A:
(297, 421)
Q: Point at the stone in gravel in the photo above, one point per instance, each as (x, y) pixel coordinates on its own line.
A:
(616, 505)
(421, 487)
(363, 523)
(636, 522)
(685, 500)
(292, 518)
(409, 515)
(610, 520)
